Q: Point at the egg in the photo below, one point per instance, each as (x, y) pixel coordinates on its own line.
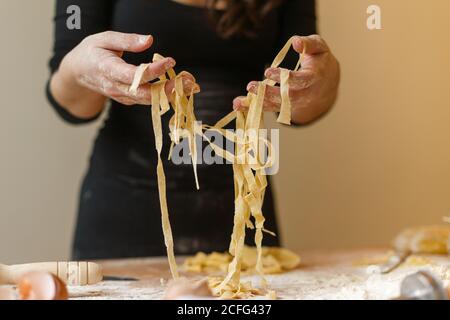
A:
(41, 286)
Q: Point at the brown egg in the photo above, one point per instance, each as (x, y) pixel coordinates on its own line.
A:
(41, 286)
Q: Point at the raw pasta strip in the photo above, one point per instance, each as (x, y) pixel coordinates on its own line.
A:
(285, 110)
(182, 125)
(159, 99)
(183, 122)
(238, 236)
(138, 77)
(157, 128)
(192, 128)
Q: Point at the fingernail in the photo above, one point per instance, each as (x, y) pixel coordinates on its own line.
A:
(187, 83)
(236, 103)
(251, 86)
(187, 75)
(269, 72)
(170, 63)
(144, 39)
(297, 41)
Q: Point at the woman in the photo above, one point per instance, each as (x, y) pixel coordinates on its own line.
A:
(225, 44)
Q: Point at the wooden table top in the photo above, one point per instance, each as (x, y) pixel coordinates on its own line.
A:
(322, 275)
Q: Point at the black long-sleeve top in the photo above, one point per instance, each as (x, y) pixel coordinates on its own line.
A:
(124, 149)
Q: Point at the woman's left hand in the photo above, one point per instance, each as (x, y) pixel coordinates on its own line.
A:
(312, 90)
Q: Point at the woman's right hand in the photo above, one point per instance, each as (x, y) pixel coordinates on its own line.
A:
(95, 67)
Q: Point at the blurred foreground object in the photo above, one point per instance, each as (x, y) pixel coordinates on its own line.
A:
(418, 240)
(422, 285)
(71, 273)
(8, 293)
(42, 286)
(184, 289)
(36, 285)
(426, 239)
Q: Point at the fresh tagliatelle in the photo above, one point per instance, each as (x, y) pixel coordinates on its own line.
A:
(249, 166)
(182, 125)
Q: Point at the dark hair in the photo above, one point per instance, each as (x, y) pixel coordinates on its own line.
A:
(240, 17)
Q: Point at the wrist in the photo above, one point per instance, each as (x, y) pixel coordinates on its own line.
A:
(66, 75)
(71, 95)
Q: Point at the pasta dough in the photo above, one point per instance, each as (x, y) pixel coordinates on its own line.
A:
(249, 165)
(274, 260)
(427, 239)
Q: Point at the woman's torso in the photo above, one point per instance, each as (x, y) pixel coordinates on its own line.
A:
(119, 204)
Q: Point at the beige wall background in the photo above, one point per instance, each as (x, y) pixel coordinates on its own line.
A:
(379, 162)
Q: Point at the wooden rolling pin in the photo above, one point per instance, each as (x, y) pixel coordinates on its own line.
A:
(71, 273)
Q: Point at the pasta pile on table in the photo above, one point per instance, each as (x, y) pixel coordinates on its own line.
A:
(249, 165)
(274, 260)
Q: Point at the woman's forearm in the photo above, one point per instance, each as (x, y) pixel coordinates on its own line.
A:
(79, 101)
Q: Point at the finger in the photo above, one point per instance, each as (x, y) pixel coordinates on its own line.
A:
(297, 79)
(157, 69)
(189, 85)
(126, 101)
(143, 94)
(239, 105)
(273, 100)
(117, 70)
(118, 41)
(272, 95)
(119, 91)
(313, 44)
